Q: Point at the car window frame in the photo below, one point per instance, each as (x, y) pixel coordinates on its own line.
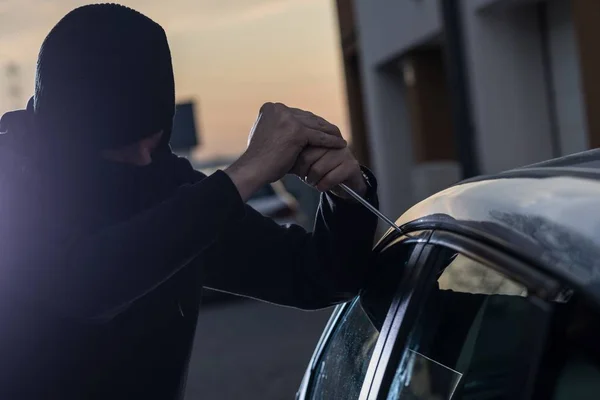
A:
(538, 284)
(419, 239)
(402, 310)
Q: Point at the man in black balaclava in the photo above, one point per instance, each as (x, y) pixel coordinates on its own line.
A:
(107, 237)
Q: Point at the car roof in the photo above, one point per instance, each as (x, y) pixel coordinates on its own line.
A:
(546, 213)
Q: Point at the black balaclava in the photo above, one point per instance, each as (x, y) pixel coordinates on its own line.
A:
(104, 79)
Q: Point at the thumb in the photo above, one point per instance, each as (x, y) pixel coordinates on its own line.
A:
(321, 139)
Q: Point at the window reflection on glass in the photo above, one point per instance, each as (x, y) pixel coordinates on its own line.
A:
(343, 365)
(468, 276)
(426, 379)
(480, 324)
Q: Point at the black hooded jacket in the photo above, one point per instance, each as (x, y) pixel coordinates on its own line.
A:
(103, 266)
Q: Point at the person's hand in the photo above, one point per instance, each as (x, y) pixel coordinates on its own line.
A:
(277, 138)
(326, 168)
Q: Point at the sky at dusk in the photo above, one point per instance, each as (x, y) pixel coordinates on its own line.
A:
(230, 56)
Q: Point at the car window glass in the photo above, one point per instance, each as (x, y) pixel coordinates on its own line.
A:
(465, 275)
(342, 366)
(575, 356)
(481, 327)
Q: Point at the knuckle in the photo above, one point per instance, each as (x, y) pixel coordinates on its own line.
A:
(287, 116)
(266, 107)
(296, 129)
(288, 121)
(296, 137)
(318, 171)
(323, 138)
(318, 153)
(339, 142)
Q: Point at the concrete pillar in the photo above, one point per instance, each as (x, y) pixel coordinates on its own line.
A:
(390, 141)
(566, 77)
(433, 142)
(351, 61)
(508, 88)
(586, 18)
(386, 30)
(429, 105)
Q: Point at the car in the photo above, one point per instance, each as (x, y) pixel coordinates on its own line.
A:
(490, 290)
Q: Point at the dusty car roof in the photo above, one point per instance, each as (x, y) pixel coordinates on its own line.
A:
(547, 213)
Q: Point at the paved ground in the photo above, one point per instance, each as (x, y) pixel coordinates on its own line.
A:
(249, 350)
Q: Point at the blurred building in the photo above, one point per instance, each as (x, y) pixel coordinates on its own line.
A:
(440, 90)
(185, 136)
(351, 62)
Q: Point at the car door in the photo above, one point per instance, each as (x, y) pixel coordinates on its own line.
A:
(353, 339)
(476, 327)
(467, 321)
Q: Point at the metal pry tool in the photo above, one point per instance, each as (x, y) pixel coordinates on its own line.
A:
(369, 207)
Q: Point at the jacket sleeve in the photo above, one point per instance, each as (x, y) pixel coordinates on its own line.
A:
(288, 266)
(96, 275)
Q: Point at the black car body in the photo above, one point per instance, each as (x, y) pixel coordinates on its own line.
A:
(491, 291)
